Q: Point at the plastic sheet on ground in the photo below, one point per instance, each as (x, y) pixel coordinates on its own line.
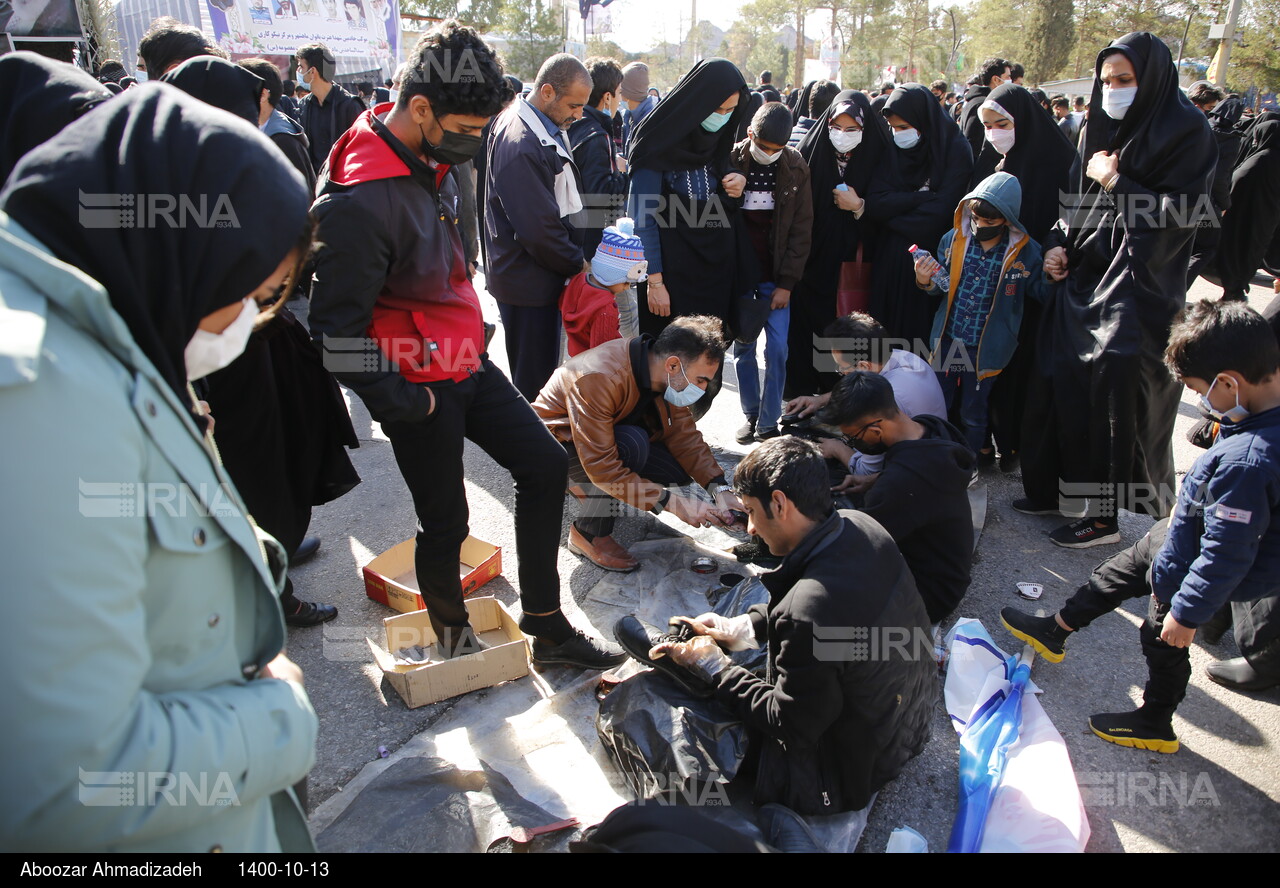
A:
(1037, 806)
(537, 734)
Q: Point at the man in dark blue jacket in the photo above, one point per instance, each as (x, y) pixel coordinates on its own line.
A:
(1222, 543)
(604, 180)
(531, 190)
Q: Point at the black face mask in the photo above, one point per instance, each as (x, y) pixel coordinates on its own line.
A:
(985, 232)
(454, 148)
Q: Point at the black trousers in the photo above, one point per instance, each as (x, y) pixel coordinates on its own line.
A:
(1116, 580)
(533, 344)
(487, 409)
(651, 461)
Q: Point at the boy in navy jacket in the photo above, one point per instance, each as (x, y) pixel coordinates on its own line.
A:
(1222, 543)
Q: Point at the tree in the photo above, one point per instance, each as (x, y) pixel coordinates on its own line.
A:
(1051, 35)
(1255, 59)
(534, 30)
(483, 15)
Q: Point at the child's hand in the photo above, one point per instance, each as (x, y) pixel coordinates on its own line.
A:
(734, 184)
(926, 268)
(1055, 263)
(1175, 634)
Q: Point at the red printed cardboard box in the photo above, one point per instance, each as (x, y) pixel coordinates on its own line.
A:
(392, 579)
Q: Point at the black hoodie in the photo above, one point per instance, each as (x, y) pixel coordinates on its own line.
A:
(922, 499)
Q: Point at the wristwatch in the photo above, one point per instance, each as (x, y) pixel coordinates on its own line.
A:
(715, 487)
(663, 499)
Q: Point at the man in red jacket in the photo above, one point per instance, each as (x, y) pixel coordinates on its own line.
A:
(400, 325)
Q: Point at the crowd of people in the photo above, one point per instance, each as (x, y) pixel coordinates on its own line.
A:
(941, 283)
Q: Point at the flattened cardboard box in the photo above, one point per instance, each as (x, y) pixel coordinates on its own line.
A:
(507, 657)
(392, 579)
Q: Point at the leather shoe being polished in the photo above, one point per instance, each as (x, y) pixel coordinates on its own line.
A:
(638, 638)
(1239, 675)
(603, 551)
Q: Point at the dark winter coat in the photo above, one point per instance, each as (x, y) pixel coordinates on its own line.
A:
(838, 720)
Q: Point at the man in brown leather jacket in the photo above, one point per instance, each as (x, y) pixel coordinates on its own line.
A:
(621, 410)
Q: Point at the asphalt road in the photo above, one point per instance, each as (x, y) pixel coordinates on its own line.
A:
(1219, 793)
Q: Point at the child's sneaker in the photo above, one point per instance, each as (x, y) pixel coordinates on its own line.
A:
(1136, 730)
(1042, 633)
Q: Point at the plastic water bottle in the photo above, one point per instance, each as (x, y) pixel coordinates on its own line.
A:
(941, 277)
(842, 187)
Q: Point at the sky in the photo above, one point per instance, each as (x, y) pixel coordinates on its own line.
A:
(639, 24)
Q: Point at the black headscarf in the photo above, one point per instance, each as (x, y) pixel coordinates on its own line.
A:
(1150, 138)
(41, 96)
(927, 161)
(801, 108)
(671, 136)
(835, 231)
(867, 160)
(1226, 114)
(220, 83)
(1041, 158)
(755, 101)
(156, 143)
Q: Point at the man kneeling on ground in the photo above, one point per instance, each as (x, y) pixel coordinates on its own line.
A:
(840, 711)
(622, 411)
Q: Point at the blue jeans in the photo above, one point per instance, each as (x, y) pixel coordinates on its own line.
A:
(966, 397)
(766, 410)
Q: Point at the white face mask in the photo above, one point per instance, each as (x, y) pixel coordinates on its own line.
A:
(843, 141)
(1001, 140)
(908, 138)
(759, 155)
(140, 76)
(207, 352)
(1116, 102)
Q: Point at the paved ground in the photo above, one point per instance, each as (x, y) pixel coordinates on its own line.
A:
(1219, 793)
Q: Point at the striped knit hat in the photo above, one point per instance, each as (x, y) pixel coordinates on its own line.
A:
(620, 256)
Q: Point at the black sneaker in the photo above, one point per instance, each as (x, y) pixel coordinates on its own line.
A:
(747, 433)
(986, 458)
(1009, 462)
(638, 638)
(581, 650)
(1084, 534)
(766, 434)
(1042, 633)
(1136, 730)
(1029, 506)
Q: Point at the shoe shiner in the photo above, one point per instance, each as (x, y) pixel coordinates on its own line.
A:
(1223, 541)
(621, 410)
(835, 719)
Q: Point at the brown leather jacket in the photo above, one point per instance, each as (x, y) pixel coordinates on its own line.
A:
(792, 213)
(590, 394)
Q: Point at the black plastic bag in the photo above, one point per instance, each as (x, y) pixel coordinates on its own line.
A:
(671, 746)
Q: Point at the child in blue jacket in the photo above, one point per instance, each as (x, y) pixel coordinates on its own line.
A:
(994, 267)
(1222, 542)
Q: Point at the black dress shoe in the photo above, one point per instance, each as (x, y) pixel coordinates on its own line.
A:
(310, 546)
(638, 638)
(309, 613)
(457, 641)
(580, 650)
(1238, 675)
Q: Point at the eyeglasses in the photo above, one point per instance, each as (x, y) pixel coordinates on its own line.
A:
(857, 436)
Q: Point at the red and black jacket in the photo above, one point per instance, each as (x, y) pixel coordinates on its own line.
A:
(391, 271)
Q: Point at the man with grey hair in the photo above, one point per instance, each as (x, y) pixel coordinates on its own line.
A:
(531, 190)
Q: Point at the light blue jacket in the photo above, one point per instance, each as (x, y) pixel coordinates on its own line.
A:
(139, 603)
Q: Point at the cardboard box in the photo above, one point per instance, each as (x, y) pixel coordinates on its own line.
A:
(392, 579)
(507, 657)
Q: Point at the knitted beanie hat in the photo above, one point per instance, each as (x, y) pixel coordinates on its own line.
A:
(635, 82)
(620, 256)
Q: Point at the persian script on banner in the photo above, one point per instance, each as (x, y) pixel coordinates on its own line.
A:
(278, 27)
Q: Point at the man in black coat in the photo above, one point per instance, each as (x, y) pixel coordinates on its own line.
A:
(531, 188)
(328, 110)
(921, 496)
(604, 178)
(993, 73)
(850, 683)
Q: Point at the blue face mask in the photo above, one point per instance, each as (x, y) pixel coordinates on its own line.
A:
(1233, 415)
(715, 121)
(686, 396)
(302, 81)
